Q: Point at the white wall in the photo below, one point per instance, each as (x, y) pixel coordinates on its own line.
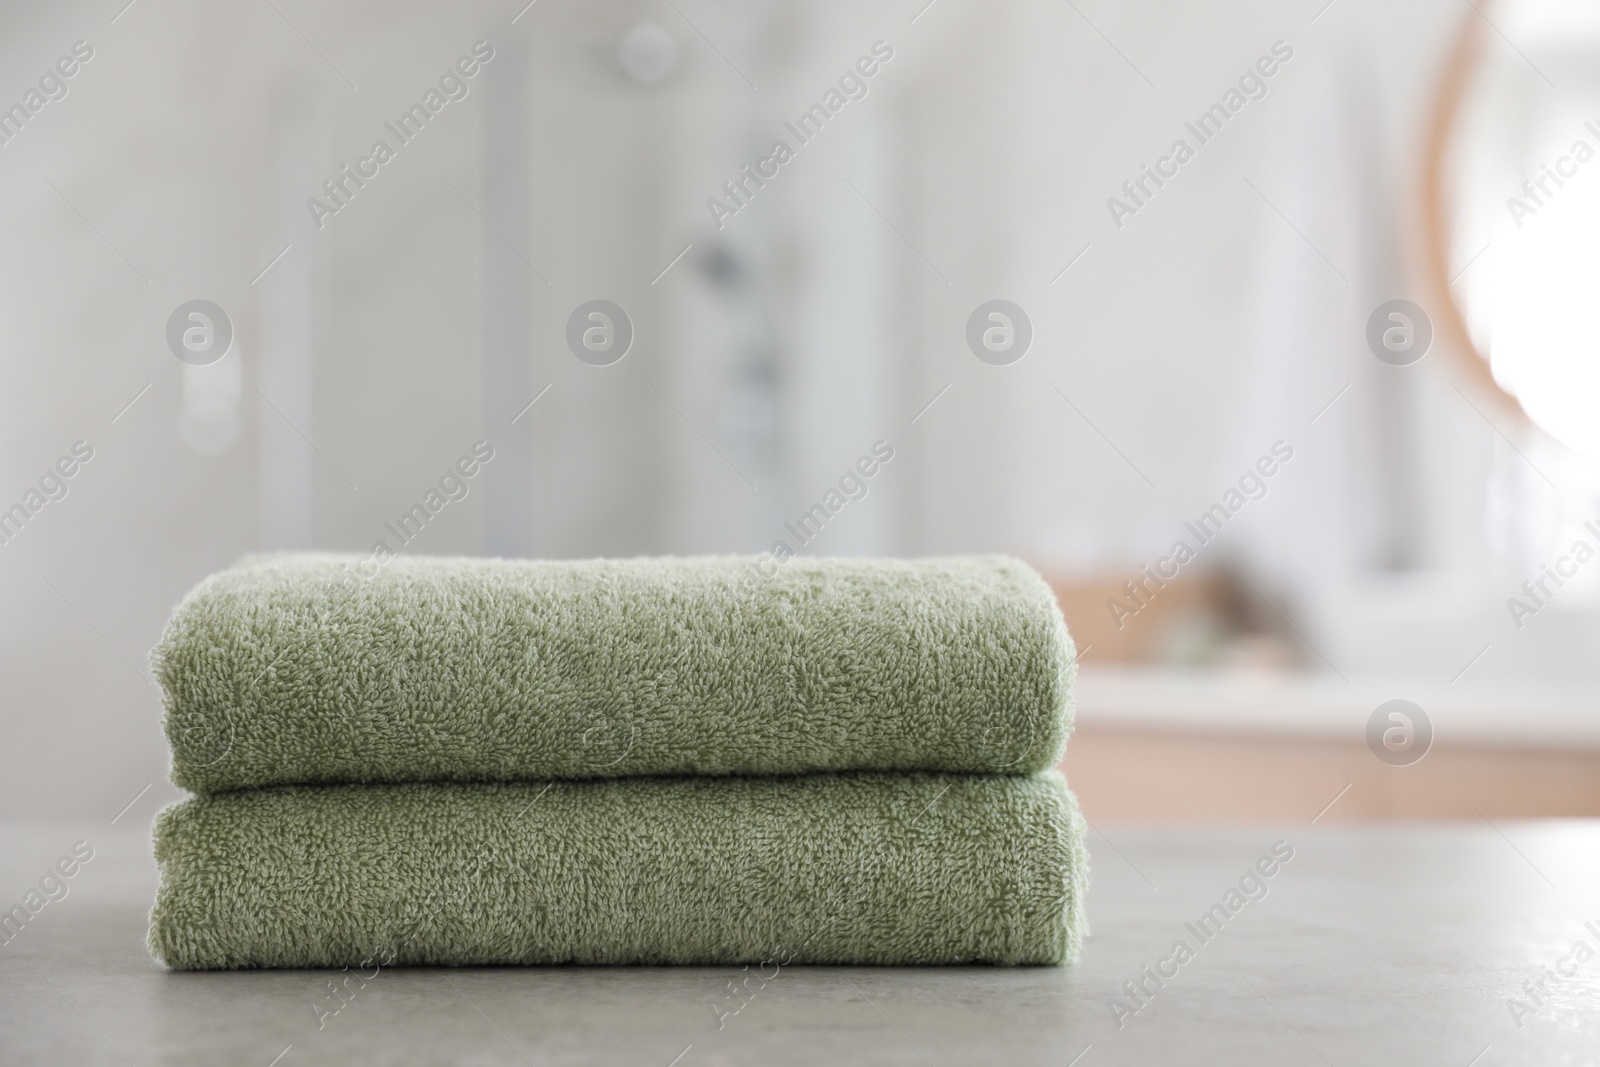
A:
(989, 145)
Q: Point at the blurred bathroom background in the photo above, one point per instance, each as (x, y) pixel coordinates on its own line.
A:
(1222, 319)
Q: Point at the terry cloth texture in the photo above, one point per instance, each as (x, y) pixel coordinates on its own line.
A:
(846, 869)
(302, 669)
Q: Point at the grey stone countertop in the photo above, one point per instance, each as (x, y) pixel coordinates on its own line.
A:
(1448, 944)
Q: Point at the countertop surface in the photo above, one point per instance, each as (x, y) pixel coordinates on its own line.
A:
(1311, 704)
(1371, 945)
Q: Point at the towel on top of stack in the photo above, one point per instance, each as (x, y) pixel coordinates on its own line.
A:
(469, 761)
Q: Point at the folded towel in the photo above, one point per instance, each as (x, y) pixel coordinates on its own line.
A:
(325, 668)
(857, 868)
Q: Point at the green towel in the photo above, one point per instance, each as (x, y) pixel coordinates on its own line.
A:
(325, 668)
(854, 868)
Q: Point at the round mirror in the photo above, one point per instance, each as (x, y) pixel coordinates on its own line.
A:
(1511, 209)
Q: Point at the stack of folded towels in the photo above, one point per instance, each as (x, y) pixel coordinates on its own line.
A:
(458, 761)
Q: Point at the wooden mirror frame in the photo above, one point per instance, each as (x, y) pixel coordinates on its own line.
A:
(1435, 203)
